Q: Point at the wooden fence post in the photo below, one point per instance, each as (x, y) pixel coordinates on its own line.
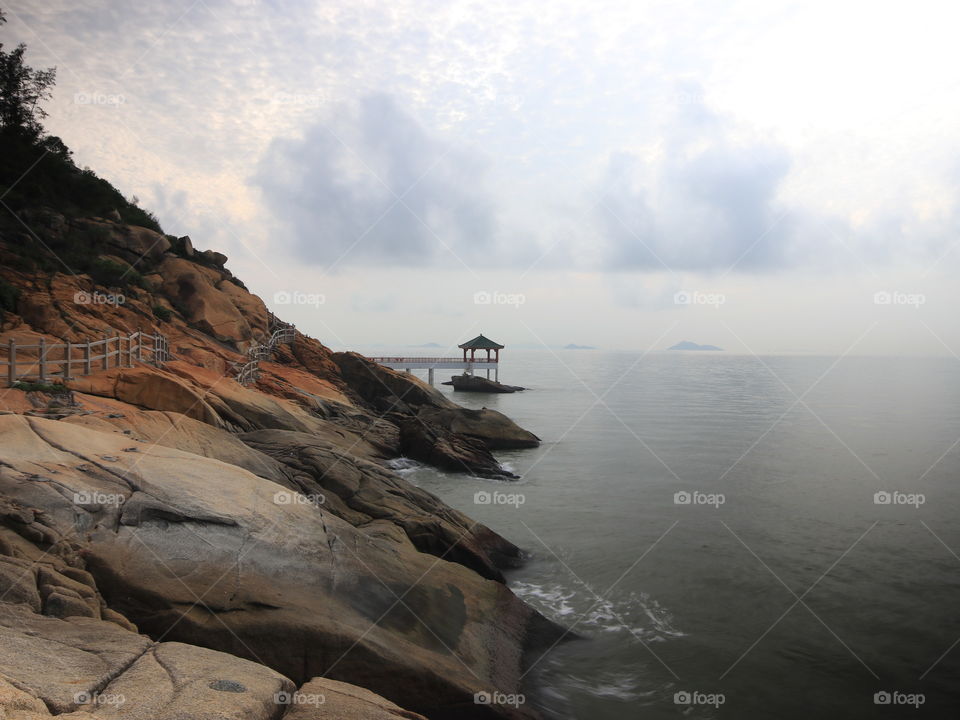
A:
(106, 357)
(139, 345)
(43, 360)
(87, 369)
(67, 354)
(12, 357)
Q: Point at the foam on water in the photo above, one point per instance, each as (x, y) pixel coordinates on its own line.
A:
(403, 465)
(634, 614)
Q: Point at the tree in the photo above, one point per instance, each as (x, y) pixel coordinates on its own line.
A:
(22, 89)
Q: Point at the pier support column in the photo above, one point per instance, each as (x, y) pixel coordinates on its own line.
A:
(430, 376)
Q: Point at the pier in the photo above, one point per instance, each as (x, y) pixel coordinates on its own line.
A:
(467, 364)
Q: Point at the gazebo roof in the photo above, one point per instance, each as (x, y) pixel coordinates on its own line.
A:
(481, 342)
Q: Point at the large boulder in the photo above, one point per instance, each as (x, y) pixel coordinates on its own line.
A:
(321, 699)
(63, 662)
(192, 289)
(149, 387)
(493, 429)
(387, 390)
(174, 680)
(90, 670)
(477, 384)
(361, 492)
(199, 551)
(437, 445)
(433, 429)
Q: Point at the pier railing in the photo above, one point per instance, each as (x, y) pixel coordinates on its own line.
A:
(42, 361)
(415, 360)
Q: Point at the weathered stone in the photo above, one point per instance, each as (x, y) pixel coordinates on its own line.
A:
(284, 583)
(437, 445)
(185, 246)
(475, 383)
(322, 698)
(214, 258)
(173, 681)
(18, 583)
(367, 491)
(59, 661)
(63, 605)
(494, 429)
(192, 289)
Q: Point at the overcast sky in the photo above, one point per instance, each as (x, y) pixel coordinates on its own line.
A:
(765, 176)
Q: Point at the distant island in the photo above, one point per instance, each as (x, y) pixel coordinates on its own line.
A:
(427, 345)
(572, 346)
(687, 345)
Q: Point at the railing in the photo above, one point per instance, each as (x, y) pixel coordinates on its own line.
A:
(284, 333)
(383, 360)
(58, 360)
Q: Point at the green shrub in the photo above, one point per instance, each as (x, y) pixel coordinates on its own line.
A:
(54, 388)
(112, 274)
(9, 295)
(162, 313)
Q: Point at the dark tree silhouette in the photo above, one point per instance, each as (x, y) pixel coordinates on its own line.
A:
(22, 90)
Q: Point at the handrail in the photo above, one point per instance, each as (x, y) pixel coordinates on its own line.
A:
(285, 333)
(45, 363)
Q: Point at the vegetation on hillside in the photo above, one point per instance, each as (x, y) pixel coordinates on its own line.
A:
(38, 168)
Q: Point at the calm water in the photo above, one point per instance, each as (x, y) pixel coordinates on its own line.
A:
(797, 595)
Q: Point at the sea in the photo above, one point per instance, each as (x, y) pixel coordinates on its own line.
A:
(732, 536)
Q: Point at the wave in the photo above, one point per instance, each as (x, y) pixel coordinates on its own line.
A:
(634, 614)
(404, 465)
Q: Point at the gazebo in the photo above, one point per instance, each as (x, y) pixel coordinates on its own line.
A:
(481, 342)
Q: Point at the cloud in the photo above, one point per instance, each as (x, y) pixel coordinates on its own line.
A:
(702, 200)
(372, 185)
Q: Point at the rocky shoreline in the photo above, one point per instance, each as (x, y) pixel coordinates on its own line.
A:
(208, 550)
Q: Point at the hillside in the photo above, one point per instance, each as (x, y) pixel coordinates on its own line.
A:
(165, 519)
